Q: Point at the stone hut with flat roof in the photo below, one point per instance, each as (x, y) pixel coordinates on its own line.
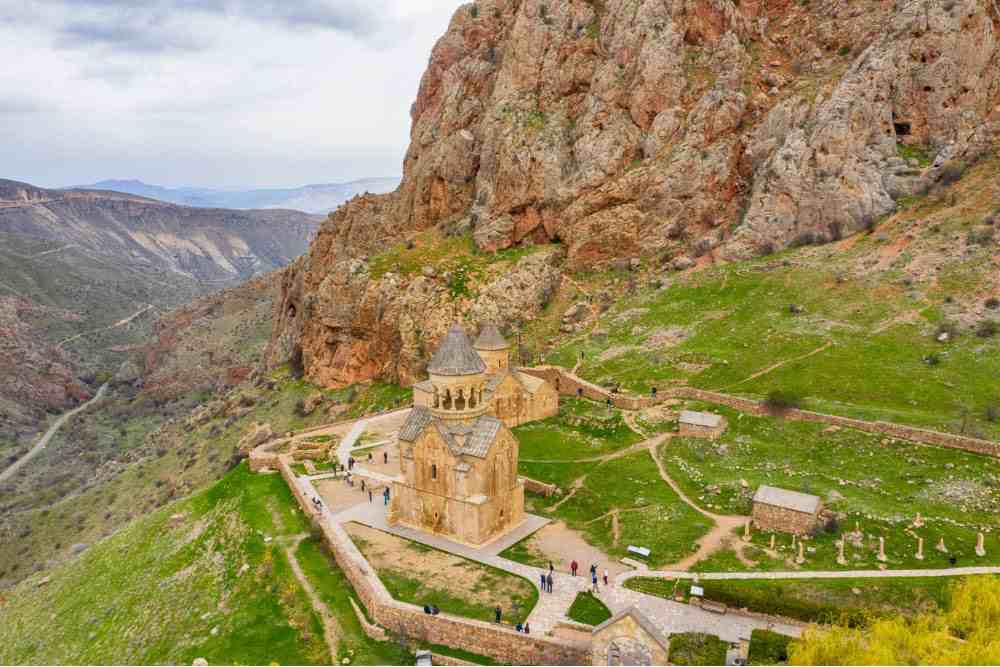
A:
(701, 424)
(785, 511)
(458, 461)
(628, 638)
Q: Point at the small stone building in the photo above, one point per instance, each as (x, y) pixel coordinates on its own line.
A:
(785, 511)
(458, 462)
(511, 396)
(629, 638)
(701, 424)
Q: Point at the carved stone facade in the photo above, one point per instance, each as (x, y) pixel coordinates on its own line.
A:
(629, 638)
(458, 461)
(510, 395)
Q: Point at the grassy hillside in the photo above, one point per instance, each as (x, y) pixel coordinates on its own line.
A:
(898, 324)
(133, 454)
(207, 577)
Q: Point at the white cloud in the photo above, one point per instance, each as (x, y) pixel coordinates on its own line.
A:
(217, 93)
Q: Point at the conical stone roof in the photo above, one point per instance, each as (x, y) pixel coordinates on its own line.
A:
(491, 340)
(456, 356)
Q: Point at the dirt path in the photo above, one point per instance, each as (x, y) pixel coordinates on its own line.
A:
(44, 440)
(717, 538)
(825, 346)
(331, 630)
(603, 458)
(119, 323)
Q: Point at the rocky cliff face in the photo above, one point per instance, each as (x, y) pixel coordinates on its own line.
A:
(679, 132)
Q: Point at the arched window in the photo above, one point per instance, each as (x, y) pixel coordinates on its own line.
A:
(434, 471)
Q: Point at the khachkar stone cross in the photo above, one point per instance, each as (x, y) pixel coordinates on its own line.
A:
(840, 553)
(980, 545)
(746, 532)
(920, 548)
(801, 558)
(881, 551)
(941, 547)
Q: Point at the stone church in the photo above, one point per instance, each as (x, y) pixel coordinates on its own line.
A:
(458, 457)
(511, 396)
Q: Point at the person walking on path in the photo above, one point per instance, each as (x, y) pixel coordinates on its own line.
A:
(593, 569)
(362, 485)
(574, 566)
(593, 580)
(527, 628)
(605, 577)
(385, 457)
(369, 457)
(369, 495)
(548, 582)
(497, 612)
(551, 568)
(385, 495)
(350, 463)
(542, 579)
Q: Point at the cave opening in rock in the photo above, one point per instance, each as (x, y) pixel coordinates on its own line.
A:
(902, 128)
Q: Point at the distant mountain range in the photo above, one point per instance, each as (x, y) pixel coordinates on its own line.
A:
(320, 198)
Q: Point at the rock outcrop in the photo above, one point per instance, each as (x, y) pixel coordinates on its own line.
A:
(680, 131)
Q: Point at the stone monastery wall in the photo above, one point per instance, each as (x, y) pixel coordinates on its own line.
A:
(499, 642)
(567, 384)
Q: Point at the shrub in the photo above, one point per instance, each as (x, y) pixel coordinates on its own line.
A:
(952, 172)
(992, 413)
(474, 11)
(992, 303)
(980, 236)
(932, 359)
(845, 51)
(779, 401)
(986, 329)
(768, 648)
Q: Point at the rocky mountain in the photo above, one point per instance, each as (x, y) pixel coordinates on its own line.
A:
(662, 135)
(316, 198)
(85, 275)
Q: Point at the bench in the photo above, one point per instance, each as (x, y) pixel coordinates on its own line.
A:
(641, 551)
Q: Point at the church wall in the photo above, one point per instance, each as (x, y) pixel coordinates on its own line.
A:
(495, 361)
(636, 646)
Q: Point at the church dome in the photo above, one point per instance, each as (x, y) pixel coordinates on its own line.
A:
(491, 340)
(456, 356)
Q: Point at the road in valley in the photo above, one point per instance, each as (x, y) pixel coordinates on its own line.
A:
(44, 440)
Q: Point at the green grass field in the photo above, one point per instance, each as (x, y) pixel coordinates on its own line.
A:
(205, 577)
(648, 511)
(879, 485)
(582, 429)
(717, 328)
(694, 648)
(588, 609)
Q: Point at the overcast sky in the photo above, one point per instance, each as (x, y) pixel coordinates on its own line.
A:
(218, 93)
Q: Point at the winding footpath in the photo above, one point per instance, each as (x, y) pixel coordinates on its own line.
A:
(44, 440)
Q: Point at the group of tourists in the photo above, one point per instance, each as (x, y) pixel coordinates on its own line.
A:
(520, 627)
(574, 568)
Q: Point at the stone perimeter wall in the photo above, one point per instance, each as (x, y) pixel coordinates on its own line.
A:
(899, 431)
(499, 642)
(568, 385)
